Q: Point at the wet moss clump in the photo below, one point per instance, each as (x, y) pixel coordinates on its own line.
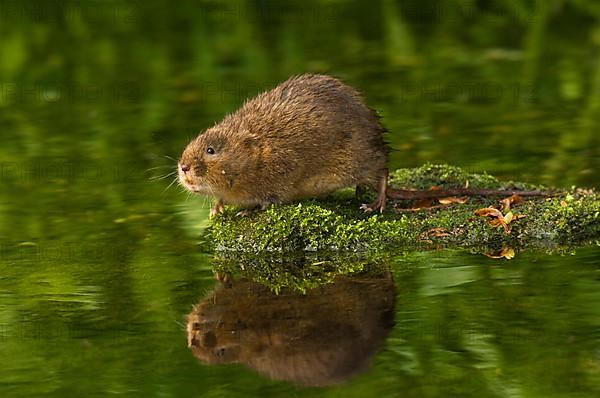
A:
(567, 219)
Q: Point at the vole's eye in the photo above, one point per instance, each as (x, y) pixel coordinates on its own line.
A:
(210, 150)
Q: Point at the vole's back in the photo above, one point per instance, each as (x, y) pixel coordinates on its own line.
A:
(311, 135)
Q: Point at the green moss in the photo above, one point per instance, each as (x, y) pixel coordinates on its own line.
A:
(429, 175)
(336, 223)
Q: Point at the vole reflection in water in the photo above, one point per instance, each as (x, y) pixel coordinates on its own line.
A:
(319, 338)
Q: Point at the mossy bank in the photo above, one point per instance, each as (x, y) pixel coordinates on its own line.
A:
(569, 218)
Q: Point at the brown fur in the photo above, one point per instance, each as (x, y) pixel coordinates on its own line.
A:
(307, 137)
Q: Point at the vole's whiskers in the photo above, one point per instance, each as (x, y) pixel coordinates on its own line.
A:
(171, 184)
(180, 324)
(163, 176)
(164, 171)
(160, 167)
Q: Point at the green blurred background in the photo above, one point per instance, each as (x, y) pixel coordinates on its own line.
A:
(100, 260)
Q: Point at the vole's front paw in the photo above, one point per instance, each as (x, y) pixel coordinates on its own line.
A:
(256, 209)
(224, 278)
(218, 208)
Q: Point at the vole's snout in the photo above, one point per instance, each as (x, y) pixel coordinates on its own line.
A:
(192, 170)
(187, 175)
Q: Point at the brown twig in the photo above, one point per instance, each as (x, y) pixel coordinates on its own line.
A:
(407, 194)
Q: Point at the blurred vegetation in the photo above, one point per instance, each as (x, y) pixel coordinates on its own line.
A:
(90, 242)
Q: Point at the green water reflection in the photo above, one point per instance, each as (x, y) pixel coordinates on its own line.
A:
(100, 261)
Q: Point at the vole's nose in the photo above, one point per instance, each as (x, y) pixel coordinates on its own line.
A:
(185, 168)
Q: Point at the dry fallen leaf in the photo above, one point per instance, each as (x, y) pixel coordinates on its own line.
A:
(499, 222)
(438, 232)
(507, 202)
(506, 252)
(498, 219)
(488, 212)
(453, 199)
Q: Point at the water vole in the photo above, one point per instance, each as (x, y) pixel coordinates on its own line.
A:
(307, 137)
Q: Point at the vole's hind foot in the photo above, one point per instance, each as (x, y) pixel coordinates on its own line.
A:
(366, 207)
(379, 204)
(218, 208)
